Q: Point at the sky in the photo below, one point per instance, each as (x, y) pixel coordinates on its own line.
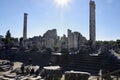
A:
(45, 15)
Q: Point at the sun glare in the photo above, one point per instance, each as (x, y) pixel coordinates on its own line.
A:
(62, 3)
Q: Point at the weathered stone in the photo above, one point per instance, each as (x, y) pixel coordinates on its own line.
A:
(92, 22)
(25, 30)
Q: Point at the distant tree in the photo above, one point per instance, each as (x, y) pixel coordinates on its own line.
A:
(112, 43)
(109, 44)
(98, 44)
(118, 43)
(9, 41)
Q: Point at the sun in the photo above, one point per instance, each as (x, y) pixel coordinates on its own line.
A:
(62, 3)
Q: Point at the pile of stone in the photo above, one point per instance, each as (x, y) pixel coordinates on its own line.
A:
(5, 65)
(29, 73)
(26, 70)
(21, 71)
(13, 76)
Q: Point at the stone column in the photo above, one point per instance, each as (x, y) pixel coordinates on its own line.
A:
(25, 30)
(92, 22)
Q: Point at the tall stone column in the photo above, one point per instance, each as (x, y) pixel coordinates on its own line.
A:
(25, 30)
(92, 22)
